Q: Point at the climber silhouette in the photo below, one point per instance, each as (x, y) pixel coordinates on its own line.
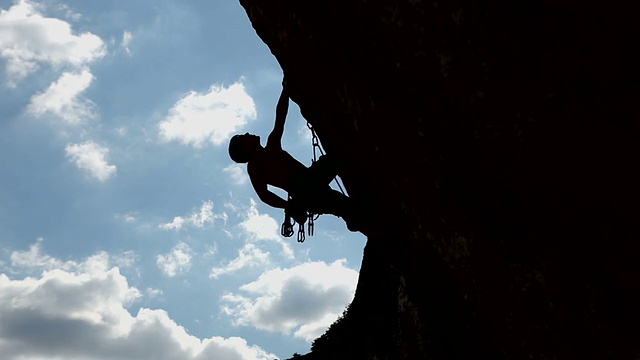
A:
(308, 187)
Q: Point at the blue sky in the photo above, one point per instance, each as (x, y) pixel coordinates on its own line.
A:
(125, 230)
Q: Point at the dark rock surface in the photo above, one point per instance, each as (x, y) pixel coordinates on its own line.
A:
(497, 146)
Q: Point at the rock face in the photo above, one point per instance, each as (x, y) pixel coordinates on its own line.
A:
(496, 145)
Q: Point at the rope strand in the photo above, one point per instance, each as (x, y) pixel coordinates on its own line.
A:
(315, 141)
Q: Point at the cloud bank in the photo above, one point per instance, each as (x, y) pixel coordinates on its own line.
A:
(30, 39)
(80, 312)
(304, 299)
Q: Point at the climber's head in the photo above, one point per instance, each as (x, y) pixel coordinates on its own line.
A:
(242, 147)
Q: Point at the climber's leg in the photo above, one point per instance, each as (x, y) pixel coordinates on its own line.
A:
(296, 209)
(330, 201)
(323, 170)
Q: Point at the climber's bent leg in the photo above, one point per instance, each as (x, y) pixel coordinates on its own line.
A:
(330, 201)
(323, 170)
(296, 209)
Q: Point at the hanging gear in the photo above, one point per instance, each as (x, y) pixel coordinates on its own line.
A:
(286, 229)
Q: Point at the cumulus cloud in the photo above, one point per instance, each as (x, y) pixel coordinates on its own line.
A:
(248, 255)
(176, 261)
(237, 173)
(91, 158)
(197, 219)
(30, 39)
(199, 118)
(63, 100)
(81, 313)
(304, 299)
(263, 227)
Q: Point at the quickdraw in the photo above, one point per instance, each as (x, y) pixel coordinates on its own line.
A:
(286, 229)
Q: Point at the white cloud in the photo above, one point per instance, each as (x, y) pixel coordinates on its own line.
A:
(91, 158)
(82, 314)
(210, 117)
(237, 173)
(304, 299)
(176, 261)
(260, 226)
(152, 293)
(264, 227)
(30, 39)
(127, 217)
(62, 99)
(199, 219)
(124, 260)
(126, 40)
(176, 223)
(34, 258)
(248, 255)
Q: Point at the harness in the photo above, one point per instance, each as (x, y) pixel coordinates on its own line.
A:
(286, 229)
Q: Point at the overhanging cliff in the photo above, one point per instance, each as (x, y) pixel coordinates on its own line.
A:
(497, 144)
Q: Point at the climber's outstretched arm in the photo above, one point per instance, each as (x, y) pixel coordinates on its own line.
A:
(275, 137)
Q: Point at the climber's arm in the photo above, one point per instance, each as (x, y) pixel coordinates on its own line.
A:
(264, 194)
(270, 198)
(275, 137)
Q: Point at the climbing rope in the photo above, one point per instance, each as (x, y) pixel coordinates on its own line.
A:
(315, 142)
